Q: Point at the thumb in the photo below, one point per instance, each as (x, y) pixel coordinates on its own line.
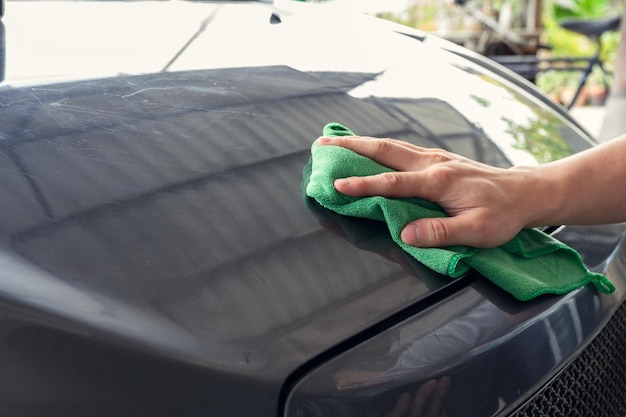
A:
(444, 231)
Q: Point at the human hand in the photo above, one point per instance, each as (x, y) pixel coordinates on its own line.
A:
(427, 401)
(487, 206)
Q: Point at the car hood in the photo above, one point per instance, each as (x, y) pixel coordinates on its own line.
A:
(156, 246)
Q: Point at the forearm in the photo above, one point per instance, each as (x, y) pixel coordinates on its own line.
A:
(586, 188)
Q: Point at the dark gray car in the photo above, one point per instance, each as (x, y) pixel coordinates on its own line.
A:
(159, 259)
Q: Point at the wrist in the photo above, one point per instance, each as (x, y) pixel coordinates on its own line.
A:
(541, 196)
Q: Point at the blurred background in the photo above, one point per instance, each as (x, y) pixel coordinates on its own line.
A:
(561, 46)
(531, 28)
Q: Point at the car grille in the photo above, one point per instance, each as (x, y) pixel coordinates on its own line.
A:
(593, 384)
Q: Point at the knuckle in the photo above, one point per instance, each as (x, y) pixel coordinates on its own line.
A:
(441, 174)
(439, 232)
(389, 180)
(382, 146)
(440, 155)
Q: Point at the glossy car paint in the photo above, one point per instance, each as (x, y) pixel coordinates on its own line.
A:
(158, 257)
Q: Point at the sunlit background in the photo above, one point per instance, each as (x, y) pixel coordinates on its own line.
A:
(534, 22)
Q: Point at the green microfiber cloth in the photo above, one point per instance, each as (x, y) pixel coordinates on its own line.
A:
(531, 264)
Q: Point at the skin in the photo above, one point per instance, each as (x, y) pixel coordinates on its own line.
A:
(427, 401)
(488, 206)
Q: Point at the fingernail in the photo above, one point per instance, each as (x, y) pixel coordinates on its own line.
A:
(341, 182)
(324, 140)
(410, 235)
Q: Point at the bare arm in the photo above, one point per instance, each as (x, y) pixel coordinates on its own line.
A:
(487, 205)
(587, 188)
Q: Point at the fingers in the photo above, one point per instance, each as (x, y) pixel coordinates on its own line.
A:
(395, 154)
(435, 397)
(388, 184)
(471, 193)
(422, 398)
(427, 401)
(463, 229)
(433, 232)
(401, 406)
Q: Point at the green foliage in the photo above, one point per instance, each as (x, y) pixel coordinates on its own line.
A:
(540, 138)
(565, 43)
(430, 15)
(420, 15)
(581, 9)
(610, 42)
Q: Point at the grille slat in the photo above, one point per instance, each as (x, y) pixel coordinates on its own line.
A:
(593, 384)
